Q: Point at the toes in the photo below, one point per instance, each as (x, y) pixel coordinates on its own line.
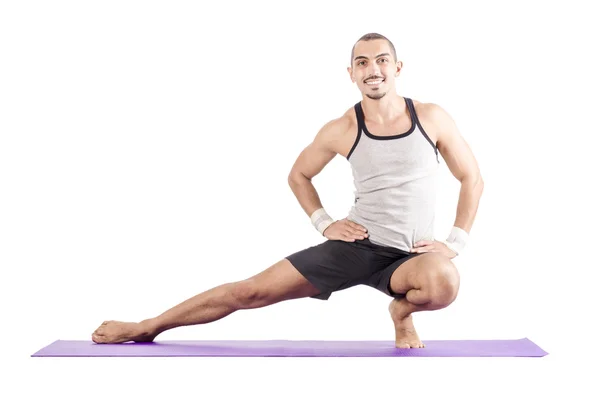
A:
(102, 327)
(410, 345)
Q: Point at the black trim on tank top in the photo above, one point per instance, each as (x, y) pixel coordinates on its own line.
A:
(359, 133)
(361, 116)
(413, 113)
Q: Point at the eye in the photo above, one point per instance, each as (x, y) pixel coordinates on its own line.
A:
(360, 63)
(383, 59)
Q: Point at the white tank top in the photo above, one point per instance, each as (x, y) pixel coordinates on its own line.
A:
(395, 184)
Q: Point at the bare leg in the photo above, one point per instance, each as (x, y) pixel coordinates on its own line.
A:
(430, 282)
(277, 283)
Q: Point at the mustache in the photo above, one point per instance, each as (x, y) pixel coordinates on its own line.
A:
(374, 78)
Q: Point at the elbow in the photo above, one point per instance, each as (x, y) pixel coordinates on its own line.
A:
(474, 181)
(295, 177)
(479, 184)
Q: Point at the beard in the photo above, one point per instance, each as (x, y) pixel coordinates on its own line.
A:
(376, 96)
(379, 91)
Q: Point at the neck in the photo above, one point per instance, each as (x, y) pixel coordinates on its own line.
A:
(390, 107)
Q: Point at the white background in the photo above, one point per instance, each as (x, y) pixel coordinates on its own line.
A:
(144, 154)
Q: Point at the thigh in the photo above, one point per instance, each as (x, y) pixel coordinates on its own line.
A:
(381, 280)
(417, 270)
(279, 282)
(332, 266)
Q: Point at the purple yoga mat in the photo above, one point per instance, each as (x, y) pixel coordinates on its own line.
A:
(292, 348)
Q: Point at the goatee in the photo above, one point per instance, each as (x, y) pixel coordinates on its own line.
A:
(376, 97)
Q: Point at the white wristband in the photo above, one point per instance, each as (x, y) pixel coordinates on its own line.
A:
(321, 220)
(457, 240)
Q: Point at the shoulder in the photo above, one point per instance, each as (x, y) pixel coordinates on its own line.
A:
(434, 119)
(338, 128)
(431, 111)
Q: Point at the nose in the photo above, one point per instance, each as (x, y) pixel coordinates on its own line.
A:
(373, 69)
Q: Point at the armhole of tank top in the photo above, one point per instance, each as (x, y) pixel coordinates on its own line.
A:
(357, 111)
(411, 107)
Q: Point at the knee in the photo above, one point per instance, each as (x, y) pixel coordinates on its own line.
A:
(443, 282)
(246, 294)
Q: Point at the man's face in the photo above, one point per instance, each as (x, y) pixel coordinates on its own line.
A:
(373, 68)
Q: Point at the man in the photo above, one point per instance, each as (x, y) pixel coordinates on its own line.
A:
(386, 241)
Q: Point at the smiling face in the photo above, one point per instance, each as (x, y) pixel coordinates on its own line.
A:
(374, 68)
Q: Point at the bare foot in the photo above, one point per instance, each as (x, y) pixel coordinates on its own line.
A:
(406, 335)
(121, 332)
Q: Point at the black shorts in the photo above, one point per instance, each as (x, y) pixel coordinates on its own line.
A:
(335, 265)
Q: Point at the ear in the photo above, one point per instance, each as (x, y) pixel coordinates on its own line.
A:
(350, 73)
(399, 65)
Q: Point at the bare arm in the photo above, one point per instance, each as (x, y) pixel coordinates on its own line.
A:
(311, 162)
(462, 164)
